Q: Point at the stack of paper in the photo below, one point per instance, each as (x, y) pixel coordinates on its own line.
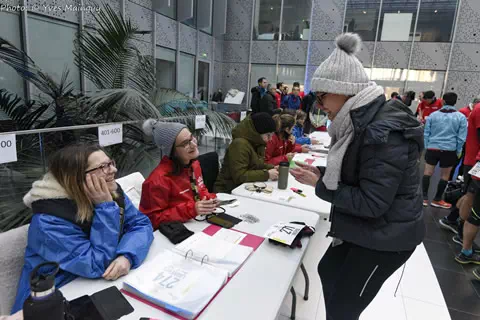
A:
(177, 284)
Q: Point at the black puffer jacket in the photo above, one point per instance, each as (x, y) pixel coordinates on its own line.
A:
(268, 103)
(255, 101)
(378, 203)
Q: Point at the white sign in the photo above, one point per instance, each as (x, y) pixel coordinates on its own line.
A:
(475, 170)
(8, 148)
(284, 232)
(396, 26)
(243, 115)
(200, 121)
(111, 134)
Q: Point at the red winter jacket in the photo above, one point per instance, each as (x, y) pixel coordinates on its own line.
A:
(166, 197)
(277, 150)
(278, 98)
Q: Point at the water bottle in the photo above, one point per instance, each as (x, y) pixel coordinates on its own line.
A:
(44, 302)
(283, 175)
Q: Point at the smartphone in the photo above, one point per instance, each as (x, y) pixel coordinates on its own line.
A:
(225, 202)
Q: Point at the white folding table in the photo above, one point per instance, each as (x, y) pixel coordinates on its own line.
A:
(314, 159)
(259, 287)
(289, 198)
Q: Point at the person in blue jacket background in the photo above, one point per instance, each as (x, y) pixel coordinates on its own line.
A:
(293, 100)
(298, 130)
(445, 134)
(83, 221)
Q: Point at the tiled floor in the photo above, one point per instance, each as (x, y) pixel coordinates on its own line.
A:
(418, 297)
(434, 286)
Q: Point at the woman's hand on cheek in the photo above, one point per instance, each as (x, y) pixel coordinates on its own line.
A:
(97, 189)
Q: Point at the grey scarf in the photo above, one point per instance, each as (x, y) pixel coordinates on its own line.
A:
(341, 131)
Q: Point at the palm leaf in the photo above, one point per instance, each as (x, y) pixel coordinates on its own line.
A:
(26, 115)
(28, 70)
(109, 58)
(113, 105)
(185, 111)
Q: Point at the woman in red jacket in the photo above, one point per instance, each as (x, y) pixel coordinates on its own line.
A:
(282, 144)
(175, 191)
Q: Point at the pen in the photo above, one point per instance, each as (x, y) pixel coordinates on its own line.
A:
(298, 191)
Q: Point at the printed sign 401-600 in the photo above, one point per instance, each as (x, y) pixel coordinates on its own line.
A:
(110, 131)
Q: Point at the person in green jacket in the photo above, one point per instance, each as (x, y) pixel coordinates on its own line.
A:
(244, 159)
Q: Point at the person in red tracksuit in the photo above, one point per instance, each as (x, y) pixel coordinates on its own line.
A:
(282, 145)
(175, 191)
(469, 204)
(279, 94)
(428, 105)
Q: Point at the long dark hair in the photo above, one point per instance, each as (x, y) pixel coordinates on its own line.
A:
(68, 166)
(284, 121)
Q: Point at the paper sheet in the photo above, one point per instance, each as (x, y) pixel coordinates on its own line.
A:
(231, 236)
(283, 232)
(202, 244)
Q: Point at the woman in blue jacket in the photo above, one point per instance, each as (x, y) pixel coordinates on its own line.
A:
(83, 221)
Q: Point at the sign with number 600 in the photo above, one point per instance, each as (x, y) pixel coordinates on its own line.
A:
(110, 134)
(8, 148)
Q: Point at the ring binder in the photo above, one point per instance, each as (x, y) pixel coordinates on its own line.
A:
(186, 253)
(205, 256)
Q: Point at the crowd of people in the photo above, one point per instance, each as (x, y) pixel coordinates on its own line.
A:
(84, 221)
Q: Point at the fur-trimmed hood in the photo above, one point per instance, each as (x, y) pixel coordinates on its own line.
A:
(46, 188)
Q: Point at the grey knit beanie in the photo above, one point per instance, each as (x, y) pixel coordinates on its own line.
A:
(341, 72)
(163, 133)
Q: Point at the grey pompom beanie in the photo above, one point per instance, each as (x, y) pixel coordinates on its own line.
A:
(163, 133)
(342, 73)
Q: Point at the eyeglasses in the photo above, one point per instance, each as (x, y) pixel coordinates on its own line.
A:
(105, 167)
(187, 143)
(320, 96)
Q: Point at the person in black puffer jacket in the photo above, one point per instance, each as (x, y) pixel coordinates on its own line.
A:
(268, 103)
(372, 180)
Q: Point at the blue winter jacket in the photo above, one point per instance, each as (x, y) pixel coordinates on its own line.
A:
(298, 134)
(291, 102)
(83, 251)
(446, 130)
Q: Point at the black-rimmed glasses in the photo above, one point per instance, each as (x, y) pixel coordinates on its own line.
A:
(105, 167)
(320, 96)
(187, 143)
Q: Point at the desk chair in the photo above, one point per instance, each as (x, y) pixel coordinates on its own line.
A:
(210, 167)
(132, 186)
(12, 252)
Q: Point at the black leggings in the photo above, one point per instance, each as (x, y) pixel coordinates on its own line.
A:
(352, 276)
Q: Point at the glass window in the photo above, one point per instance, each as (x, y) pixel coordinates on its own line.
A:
(205, 16)
(263, 71)
(267, 20)
(186, 74)
(290, 74)
(361, 17)
(397, 20)
(435, 20)
(41, 42)
(166, 7)
(296, 19)
(392, 80)
(165, 67)
(424, 80)
(192, 22)
(203, 80)
(9, 78)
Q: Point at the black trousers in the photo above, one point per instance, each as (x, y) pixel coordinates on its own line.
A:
(352, 276)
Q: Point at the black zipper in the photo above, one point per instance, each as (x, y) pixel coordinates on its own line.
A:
(331, 233)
